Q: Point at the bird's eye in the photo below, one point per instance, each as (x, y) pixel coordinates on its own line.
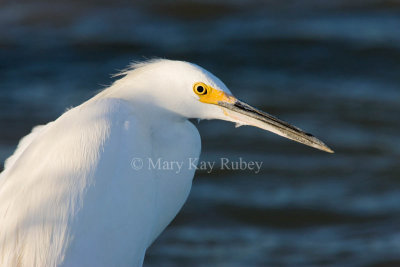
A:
(200, 89)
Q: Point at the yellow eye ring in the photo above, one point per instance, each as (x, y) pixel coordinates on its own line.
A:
(200, 88)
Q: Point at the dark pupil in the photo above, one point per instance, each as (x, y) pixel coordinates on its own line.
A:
(200, 89)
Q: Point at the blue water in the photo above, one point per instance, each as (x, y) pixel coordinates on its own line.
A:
(329, 67)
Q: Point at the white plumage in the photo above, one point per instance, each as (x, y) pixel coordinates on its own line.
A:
(69, 195)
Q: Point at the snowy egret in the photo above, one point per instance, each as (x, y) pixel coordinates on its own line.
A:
(71, 195)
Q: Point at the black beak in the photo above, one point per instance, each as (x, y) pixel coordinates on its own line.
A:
(246, 114)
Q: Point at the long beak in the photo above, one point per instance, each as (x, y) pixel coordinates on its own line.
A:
(243, 113)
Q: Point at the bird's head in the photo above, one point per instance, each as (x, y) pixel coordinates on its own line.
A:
(190, 91)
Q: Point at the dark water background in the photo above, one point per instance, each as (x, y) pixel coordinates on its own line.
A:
(330, 67)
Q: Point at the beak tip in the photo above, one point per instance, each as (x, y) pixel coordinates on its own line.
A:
(326, 149)
(329, 150)
(318, 144)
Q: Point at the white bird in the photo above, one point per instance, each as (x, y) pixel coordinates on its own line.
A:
(69, 195)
